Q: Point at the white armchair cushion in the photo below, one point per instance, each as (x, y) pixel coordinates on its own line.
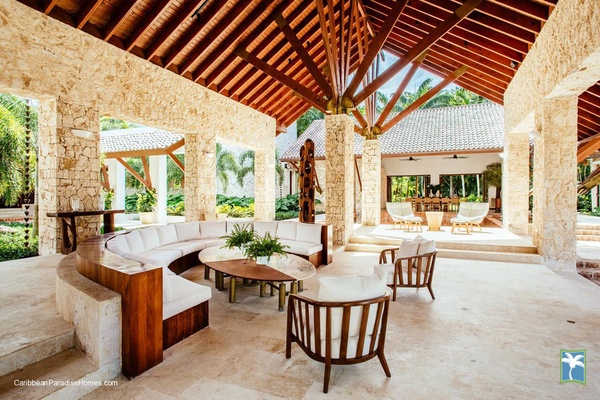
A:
(188, 231)
(150, 238)
(286, 230)
(425, 246)
(118, 245)
(310, 233)
(135, 242)
(407, 248)
(262, 227)
(167, 234)
(213, 229)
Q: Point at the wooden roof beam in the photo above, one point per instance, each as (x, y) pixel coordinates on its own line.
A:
(587, 149)
(86, 13)
(135, 174)
(125, 9)
(306, 58)
(308, 95)
(194, 30)
(214, 33)
(330, 44)
(49, 5)
(375, 46)
(400, 89)
(145, 25)
(423, 99)
(523, 21)
(177, 162)
(171, 27)
(416, 51)
(529, 8)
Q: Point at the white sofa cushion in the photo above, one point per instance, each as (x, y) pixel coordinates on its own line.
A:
(210, 242)
(210, 230)
(167, 290)
(188, 231)
(185, 295)
(118, 245)
(135, 242)
(167, 234)
(142, 259)
(286, 230)
(150, 238)
(310, 233)
(262, 227)
(301, 248)
(425, 246)
(162, 257)
(185, 247)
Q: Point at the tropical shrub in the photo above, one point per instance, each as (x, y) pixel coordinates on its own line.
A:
(146, 201)
(234, 201)
(12, 244)
(130, 203)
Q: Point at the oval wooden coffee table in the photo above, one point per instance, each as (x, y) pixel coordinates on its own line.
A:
(281, 269)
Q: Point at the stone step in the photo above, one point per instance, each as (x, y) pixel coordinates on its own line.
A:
(588, 227)
(589, 238)
(588, 231)
(526, 258)
(66, 375)
(387, 242)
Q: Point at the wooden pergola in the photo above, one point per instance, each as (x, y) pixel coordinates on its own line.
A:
(282, 57)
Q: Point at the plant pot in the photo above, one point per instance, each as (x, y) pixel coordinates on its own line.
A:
(262, 260)
(221, 216)
(146, 217)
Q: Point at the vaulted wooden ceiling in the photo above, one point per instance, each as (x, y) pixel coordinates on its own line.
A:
(282, 57)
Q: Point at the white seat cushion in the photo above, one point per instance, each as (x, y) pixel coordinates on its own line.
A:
(188, 231)
(162, 257)
(412, 218)
(150, 238)
(301, 248)
(167, 234)
(210, 242)
(387, 269)
(185, 295)
(262, 227)
(185, 247)
(118, 245)
(425, 246)
(135, 242)
(213, 229)
(286, 230)
(310, 233)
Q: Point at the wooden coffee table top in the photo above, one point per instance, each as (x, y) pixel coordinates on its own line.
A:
(279, 269)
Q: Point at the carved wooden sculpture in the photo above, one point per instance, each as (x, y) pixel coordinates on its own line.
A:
(307, 182)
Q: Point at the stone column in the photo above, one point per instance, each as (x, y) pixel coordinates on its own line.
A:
(515, 183)
(69, 167)
(264, 183)
(383, 196)
(555, 183)
(200, 176)
(158, 174)
(339, 164)
(371, 182)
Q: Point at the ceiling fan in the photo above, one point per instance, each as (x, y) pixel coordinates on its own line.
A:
(456, 157)
(410, 159)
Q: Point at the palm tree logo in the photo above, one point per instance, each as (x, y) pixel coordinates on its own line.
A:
(573, 359)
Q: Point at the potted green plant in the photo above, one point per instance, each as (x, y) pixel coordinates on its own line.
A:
(239, 237)
(145, 204)
(261, 248)
(108, 199)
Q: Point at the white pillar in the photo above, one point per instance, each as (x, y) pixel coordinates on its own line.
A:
(158, 174)
(371, 183)
(555, 184)
(116, 176)
(339, 159)
(515, 183)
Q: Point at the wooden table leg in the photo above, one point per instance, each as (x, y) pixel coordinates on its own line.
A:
(282, 296)
(219, 280)
(263, 289)
(232, 289)
(294, 287)
(109, 223)
(206, 272)
(300, 286)
(68, 229)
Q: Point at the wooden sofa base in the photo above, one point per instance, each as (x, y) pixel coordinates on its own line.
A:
(184, 324)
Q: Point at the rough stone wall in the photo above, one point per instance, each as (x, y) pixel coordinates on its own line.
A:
(515, 177)
(264, 173)
(564, 61)
(383, 196)
(339, 161)
(555, 184)
(68, 168)
(200, 178)
(321, 170)
(371, 183)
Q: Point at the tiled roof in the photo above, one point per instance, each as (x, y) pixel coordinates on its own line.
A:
(137, 139)
(433, 130)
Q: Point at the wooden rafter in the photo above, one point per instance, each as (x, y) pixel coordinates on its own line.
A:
(49, 6)
(135, 174)
(147, 171)
(327, 40)
(214, 33)
(401, 88)
(105, 181)
(417, 50)
(87, 12)
(289, 82)
(147, 23)
(175, 146)
(587, 149)
(303, 54)
(176, 161)
(171, 27)
(423, 99)
(375, 47)
(359, 117)
(119, 17)
(528, 8)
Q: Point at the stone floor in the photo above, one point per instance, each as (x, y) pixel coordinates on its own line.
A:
(494, 331)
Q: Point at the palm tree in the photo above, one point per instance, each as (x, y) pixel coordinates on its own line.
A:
(492, 176)
(573, 362)
(307, 118)
(175, 176)
(246, 161)
(12, 148)
(225, 162)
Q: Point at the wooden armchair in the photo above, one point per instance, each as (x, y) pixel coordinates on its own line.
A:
(414, 271)
(341, 333)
